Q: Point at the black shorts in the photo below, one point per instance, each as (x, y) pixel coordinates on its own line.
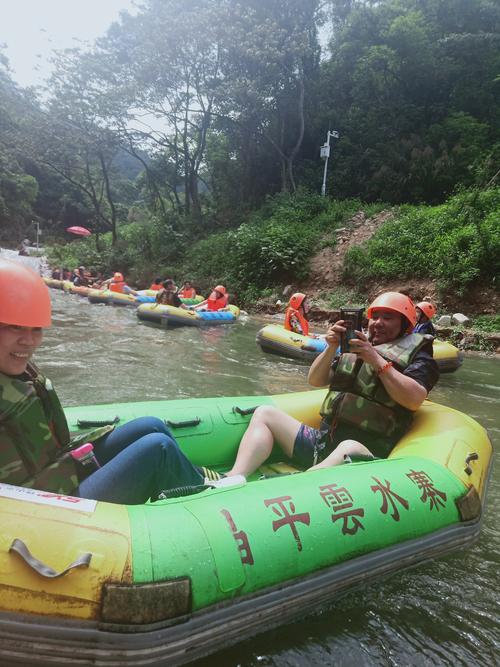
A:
(312, 445)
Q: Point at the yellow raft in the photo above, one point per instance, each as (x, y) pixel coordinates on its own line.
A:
(67, 286)
(170, 316)
(275, 339)
(169, 582)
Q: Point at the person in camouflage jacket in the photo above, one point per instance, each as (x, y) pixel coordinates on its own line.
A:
(134, 462)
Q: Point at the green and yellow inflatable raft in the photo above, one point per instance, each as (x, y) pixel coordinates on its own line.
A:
(169, 316)
(169, 582)
(109, 297)
(275, 339)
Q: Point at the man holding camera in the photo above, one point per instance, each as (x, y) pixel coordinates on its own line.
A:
(375, 388)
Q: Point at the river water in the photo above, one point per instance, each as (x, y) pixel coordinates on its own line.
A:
(442, 613)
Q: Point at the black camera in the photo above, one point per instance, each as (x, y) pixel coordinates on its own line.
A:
(353, 321)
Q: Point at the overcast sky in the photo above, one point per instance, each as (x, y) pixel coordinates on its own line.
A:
(32, 29)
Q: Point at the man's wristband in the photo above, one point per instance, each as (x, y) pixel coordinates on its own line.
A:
(384, 368)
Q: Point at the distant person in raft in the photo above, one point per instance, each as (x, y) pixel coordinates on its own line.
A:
(296, 319)
(217, 300)
(374, 392)
(168, 296)
(80, 278)
(155, 285)
(129, 464)
(425, 312)
(117, 284)
(187, 291)
(23, 247)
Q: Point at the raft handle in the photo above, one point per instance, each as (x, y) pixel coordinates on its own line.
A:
(181, 491)
(20, 548)
(245, 411)
(87, 423)
(184, 424)
(474, 456)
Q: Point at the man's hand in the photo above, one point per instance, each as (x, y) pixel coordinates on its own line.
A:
(334, 334)
(365, 350)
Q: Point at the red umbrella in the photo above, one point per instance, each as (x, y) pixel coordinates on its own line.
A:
(79, 231)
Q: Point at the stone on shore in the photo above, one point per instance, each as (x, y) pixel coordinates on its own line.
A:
(460, 318)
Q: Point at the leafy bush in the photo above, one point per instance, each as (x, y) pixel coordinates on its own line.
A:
(487, 323)
(456, 243)
(344, 296)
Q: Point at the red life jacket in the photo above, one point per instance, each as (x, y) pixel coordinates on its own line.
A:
(188, 293)
(117, 286)
(216, 304)
(155, 287)
(296, 322)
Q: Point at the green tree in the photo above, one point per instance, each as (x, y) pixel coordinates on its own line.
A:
(18, 190)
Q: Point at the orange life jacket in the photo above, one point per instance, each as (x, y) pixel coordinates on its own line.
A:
(296, 322)
(117, 286)
(188, 293)
(217, 304)
(155, 287)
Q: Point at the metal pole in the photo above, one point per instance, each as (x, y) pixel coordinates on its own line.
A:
(325, 170)
(323, 185)
(326, 149)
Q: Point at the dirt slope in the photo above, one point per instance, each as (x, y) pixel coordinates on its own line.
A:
(327, 264)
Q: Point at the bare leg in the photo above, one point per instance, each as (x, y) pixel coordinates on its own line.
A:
(337, 456)
(268, 425)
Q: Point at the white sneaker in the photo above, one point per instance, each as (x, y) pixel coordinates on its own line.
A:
(234, 480)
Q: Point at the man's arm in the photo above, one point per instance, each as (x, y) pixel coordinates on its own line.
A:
(403, 389)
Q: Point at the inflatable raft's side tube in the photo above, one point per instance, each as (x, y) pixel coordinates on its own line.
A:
(228, 561)
(169, 316)
(52, 282)
(275, 339)
(46, 641)
(447, 356)
(98, 296)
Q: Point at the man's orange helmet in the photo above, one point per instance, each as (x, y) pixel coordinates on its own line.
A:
(397, 303)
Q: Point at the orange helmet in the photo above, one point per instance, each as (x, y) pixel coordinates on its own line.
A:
(220, 288)
(118, 277)
(428, 309)
(25, 300)
(397, 303)
(297, 299)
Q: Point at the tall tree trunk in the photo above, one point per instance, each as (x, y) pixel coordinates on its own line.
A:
(109, 197)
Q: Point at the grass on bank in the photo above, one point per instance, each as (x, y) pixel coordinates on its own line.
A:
(456, 243)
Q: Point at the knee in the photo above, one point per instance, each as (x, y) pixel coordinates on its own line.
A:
(152, 425)
(265, 414)
(349, 447)
(158, 425)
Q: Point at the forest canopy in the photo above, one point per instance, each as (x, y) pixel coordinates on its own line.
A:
(189, 114)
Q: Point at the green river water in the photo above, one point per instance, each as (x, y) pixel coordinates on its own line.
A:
(442, 613)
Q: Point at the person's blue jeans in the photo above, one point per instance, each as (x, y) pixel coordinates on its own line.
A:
(138, 460)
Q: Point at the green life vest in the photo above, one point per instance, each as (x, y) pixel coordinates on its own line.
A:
(35, 442)
(357, 396)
